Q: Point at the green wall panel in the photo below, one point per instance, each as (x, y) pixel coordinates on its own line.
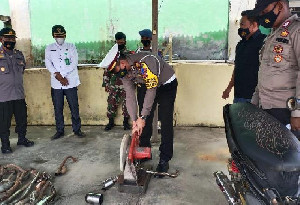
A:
(91, 25)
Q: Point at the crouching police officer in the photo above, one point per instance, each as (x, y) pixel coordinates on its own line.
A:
(12, 98)
(161, 83)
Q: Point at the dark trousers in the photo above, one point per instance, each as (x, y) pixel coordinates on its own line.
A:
(165, 97)
(58, 103)
(283, 115)
(17, 108)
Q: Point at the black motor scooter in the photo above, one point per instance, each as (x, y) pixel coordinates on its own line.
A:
(264, 167)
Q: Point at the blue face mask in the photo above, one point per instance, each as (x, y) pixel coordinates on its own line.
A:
(268, 19)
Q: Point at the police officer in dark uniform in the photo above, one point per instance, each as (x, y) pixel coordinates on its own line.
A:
(12, 98)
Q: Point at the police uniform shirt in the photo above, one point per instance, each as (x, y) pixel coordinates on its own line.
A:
(62, 59)
(279, 74)
(12, 65)
(153, 72)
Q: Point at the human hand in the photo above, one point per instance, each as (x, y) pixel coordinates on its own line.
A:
(58, 76)
(64, 82)
(140, 124)
(295, 123)
(226, 93)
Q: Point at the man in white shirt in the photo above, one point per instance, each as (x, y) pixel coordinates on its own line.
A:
(61, 60)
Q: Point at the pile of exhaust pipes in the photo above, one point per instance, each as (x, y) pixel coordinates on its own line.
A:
(27, 187)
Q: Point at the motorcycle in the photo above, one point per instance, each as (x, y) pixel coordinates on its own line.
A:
(264, 168)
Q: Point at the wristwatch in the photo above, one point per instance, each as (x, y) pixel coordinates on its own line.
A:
(143, 117)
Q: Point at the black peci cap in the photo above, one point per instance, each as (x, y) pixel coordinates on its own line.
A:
(58, 31)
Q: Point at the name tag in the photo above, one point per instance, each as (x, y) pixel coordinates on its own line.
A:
(282, 40)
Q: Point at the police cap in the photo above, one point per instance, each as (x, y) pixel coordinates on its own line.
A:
(261, 5)
(8, 32)
(146, 33)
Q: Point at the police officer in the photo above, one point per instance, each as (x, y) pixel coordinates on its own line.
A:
(12, 98)
(114, 86)
(161, 83)
(61, 60)
(279, 72)
(244, 76)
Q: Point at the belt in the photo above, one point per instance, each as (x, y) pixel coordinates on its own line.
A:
(170, 79)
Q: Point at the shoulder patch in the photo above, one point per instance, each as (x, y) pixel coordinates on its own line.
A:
(150, 78)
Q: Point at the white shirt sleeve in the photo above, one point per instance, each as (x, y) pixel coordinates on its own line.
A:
(48, 61)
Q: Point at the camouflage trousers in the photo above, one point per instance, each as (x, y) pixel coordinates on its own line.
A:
(116, 96)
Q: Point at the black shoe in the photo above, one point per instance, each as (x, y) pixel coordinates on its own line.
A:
(57, 135)
(79, 134)
(110, 125)
(6, 149)
(26, 142)
(163, 166)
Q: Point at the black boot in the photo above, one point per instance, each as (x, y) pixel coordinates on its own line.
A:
(6, 149)
(79, 134)
(126, 125)
(57, 135)
(25, 142)
(163, 166)
(110, 124)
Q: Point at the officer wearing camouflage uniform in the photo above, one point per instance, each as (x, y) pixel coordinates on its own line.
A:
(12, 97)
(279, 72)
(114, 86)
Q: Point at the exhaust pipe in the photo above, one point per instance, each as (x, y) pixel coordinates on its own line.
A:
(225, 186)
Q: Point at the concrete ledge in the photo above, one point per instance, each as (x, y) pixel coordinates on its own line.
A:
(198, 100)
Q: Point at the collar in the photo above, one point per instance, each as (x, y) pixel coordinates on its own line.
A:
(3, 51)
(286, 23)
(59, 45)
(257, 33)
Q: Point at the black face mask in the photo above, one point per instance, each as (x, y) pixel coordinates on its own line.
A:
(268, 19)
(146, 43)
(243, 32)
(121, 47)
(121, 73)
(9, 45)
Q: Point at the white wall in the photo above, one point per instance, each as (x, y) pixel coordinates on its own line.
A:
(20, 19)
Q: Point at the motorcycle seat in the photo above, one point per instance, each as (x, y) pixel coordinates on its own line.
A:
(263, 139)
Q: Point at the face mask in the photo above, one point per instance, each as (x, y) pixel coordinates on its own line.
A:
(267, 20)
(243, 32)
(146, 43)
(121, 47)
(9, 45)
(60, 41)
(121, 73)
